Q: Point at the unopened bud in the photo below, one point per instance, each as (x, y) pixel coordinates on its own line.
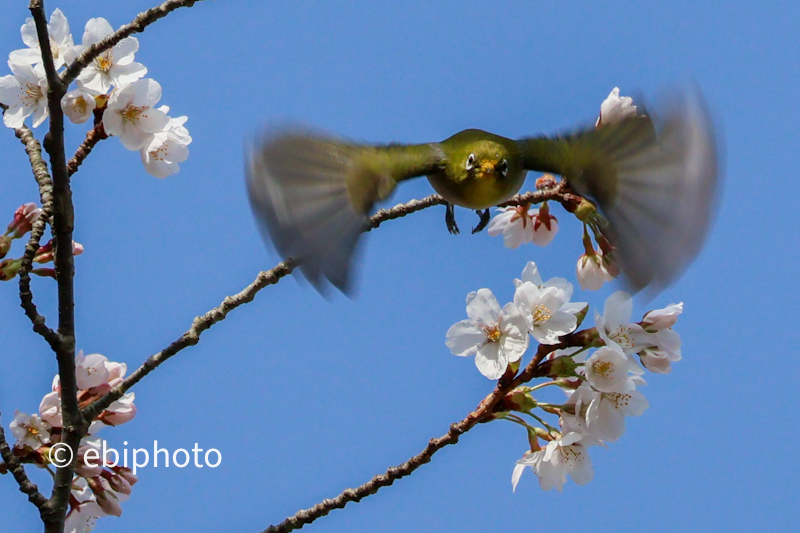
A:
(558, 367)
(9, 268)
(585, 211)
(24, 217)
(45, 253)
(126, 473)
(106, 498)
(547, 181)
(5, 245)
(45, 272)
(519, 399)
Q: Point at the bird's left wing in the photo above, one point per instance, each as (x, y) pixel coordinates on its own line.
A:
(312, 195)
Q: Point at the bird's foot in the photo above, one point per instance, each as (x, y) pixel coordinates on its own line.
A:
(485, 217)
(450, 219)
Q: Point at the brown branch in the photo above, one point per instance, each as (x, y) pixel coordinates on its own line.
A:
(54, 511)
(483, 413)
(17, 470)
(137, 26)
(42, 176)
(192, 336)
(93, 136)
(200, 324)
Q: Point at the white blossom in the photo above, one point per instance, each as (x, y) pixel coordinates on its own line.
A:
(566, 455)
(50, 409)
(658, 361)
(167, 148)
(130, 114)
(592, 272)
(90, 370)
(114, 66)
(601, 415)
(61, 44)
(547, 311)
(660, 319)
(514, 223)
(83, 518)
(79, 104)
(519, 225)
(615, 108)
(615, 327)
(607, 370)
(496, 337)
(25, 94)
(30, 430)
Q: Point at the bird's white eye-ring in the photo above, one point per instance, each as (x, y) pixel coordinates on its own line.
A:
(503, 167)
(470, 161)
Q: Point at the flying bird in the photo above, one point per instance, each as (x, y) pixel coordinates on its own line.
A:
(654, 177)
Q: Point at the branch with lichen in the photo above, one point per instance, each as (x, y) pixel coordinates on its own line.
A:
(273, 276)
(138, 25)
(485, 412)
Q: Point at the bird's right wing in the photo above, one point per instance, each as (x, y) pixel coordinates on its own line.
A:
(312, 195)
(655, 178)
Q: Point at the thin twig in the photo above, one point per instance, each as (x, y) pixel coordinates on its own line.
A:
(93, 136)
(483, 413)
(200, 324)
(137, 26)
(17, 469)
(42, 176)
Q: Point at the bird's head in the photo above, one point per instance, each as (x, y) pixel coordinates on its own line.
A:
(484, 160)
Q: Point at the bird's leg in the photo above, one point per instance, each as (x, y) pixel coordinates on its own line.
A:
(450, 219)
(484, 221)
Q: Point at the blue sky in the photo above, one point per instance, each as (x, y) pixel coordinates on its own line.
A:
(305, 396)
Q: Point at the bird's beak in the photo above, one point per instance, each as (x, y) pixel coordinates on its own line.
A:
(487, 167)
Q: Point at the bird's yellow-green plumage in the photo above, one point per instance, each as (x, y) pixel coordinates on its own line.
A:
(653, 178)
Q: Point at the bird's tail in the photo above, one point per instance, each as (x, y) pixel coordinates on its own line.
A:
(656, 180)
(312, 200)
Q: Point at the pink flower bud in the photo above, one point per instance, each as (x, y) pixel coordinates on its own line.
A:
(106, 498)
(546, 181)
(661, 319)
(126, 473)
(85, 470)
(117, 482)
(115, 418)
(24, 217)
(45, 253)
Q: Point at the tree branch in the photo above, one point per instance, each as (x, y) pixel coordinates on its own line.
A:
(17, 469)
(39, 168)
(93, 136)
(54, 511)
(483, 413)
(137, 26)
(270, 277)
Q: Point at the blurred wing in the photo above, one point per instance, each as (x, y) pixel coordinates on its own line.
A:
(655, 179)
(312, 195)
(666, 194)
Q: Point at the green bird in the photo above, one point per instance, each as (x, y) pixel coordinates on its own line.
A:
(654, 178)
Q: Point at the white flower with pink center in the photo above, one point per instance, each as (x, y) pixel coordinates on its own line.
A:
(552, 464)
(25, 94)
(113, 67)
(61, 44)
(30, 430)
(547, 311)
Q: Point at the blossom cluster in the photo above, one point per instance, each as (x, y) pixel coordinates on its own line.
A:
(521, 224)
(112, 89)
(96, 491)
(600, 372)
(24, 218)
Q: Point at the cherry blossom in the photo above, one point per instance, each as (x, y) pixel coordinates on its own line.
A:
(521, 224)
(167, 148)
(30, 430)
(562, 456)
(130, 114)
(607, 370)
(114, 66)
(592, 272)
(61, 44)
(547, 311)
(25, 94)
(79, 104)
(496, 337)
(615, 108)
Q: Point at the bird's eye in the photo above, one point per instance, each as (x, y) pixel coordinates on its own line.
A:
(470, 161)
(503, 168)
